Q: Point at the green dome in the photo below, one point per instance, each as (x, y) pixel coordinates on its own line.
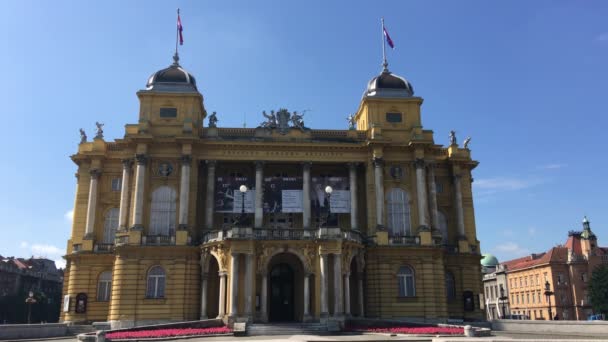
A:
(488, 260)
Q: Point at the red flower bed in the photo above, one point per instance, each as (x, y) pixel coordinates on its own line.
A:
(167, 333)
(412, 330)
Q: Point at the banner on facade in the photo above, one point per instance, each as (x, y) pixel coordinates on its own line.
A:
(283, 195)
(339, 200)
(228, 197)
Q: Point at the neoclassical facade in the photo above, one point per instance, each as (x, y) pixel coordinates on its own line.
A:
(183, 219)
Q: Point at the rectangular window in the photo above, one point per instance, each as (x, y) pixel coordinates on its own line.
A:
(116, 184)
(168, 112)
(526, 281)
(560, 279)
(438, 187)
(537, 279)
(103, 291)
(394, 117)
(584, 277)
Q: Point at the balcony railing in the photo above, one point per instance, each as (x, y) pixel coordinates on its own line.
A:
(281, 234)
(103, 247)
(404, 240)
(122, 240)
(158, 240)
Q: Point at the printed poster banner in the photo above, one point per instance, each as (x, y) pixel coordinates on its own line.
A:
(283, 195)
(339, 201)
(228, 198)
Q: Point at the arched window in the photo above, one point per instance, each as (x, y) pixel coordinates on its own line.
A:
(156, 283)
(406, 282)
(450, 286)
(162, 212)
(104, 286)
(110, 225)
(398, 212)
(443, 226)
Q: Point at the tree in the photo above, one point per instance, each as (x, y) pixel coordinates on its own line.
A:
(598, 289)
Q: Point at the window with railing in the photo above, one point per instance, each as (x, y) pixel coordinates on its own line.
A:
(443, 226)
(398, 212)
(110, 225)
(162, 211)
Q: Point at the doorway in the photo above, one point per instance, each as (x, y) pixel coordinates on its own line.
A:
(281, 293)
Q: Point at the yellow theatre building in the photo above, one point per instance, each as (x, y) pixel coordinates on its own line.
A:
(184, 220)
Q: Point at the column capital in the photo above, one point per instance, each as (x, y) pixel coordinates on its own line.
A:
(259, 165)
(186, 159)
(306, 165)
(378, 161)
(352, 165)
(141, 159)
(211, 163)
(127, 163)
(95, 173)
(419, 163)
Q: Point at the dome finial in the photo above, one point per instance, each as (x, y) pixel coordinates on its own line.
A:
(176, 59)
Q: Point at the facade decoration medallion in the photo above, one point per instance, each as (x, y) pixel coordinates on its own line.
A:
(396, 172)
(165, 169)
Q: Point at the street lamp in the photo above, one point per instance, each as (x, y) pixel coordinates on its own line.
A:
(328, 191)
(29, 301)
(502, 298)
(548, 294)
(243, 189)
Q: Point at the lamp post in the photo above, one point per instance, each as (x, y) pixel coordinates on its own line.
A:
(548, 294)
(502, 298)
(29, 301)
(243, 189)
(328, 191)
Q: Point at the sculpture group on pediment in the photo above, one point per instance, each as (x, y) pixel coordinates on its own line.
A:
(453, 138)
(99, 134)
(213, 120)
(282, 119)
(83, 136)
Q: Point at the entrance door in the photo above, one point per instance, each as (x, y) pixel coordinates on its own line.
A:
(281, 293)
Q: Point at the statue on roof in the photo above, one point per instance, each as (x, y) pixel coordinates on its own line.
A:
(297, 120)
(213, 120)
(83, 136)
(453, 138)
(466, 142)
(271, 120)
(99, 134)
(351, 122)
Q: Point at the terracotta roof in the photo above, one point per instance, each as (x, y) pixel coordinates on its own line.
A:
(574, 243)
(555, 254)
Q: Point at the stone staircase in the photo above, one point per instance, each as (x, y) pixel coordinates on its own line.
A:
(258, 329)
(80, 329)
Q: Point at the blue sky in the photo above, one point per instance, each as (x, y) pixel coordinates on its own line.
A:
(527, 80)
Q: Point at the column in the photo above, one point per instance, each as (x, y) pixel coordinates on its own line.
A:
(264, 298)
(361, 305)
(338, 299)
(234, 284)
(352, 176)
(379, 181)
(307, 297)
(209, 200)
(248, 285)
(421, 191)
(323, 269)
(184, 192)
(124, 194)
(204, 296)
(138, 203)
(306, 195)
(222, 301)
(347, 295)
(459, 211)
(92, 204)
(259, 200)
(433, 197)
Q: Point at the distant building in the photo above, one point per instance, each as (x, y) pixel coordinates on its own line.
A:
(567, 270)
(18, 277)
(495, 288)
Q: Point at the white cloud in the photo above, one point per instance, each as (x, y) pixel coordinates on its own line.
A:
(59, 263)
(24, 244)
(503, 184)
(532, 231)
(603, 37)
(69, 215)
(46, 250)
(513, 249)
(552, 166)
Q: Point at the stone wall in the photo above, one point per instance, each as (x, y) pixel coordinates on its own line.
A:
(32, 331)
(582, 328)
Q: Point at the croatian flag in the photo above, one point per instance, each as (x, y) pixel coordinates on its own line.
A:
(180, 28)
(388, 38)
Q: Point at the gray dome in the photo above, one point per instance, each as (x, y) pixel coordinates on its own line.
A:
(173, 78)
(388, 84)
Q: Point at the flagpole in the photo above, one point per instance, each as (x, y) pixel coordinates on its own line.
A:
(176, 34)
(385, 63)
